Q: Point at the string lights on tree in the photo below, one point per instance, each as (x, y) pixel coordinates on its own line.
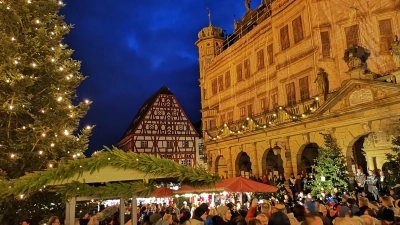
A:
(40, 112)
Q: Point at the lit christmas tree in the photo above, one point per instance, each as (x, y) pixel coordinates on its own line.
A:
(330, 169)
(39, 115)
(393, 166)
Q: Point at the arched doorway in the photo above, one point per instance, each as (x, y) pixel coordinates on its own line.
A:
(221, 167)
(306, 158)
(272, 164)
(243, 165)
(358, 157)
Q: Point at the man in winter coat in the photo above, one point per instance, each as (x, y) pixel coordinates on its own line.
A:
(224, 216)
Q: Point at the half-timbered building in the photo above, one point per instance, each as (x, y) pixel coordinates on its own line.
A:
(162, 128)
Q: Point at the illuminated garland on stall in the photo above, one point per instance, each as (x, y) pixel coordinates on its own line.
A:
(243, 125)
(151, 165)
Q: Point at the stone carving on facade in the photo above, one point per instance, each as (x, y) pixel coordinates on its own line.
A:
(306, 137)
(366, 128)
(381, 139)
(247, 5)
(356, 57)
(322, 82)
(396, 52)
(368, 141)
(360, 96)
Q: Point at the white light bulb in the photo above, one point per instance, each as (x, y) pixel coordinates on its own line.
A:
(37, 21)
(77, 139)
(43, 135)
(52, 33)
(8, 7)
(52, 145)
(59, 99)
(317, 98)
(12, 39)
(8, 80)
(66, 132)
(61, 69)
(68, 78)
(52, 59)
(60, 2)
(311, 108)
(40, 152)
(24, 127)
(34, 64)
(11, 107)
(56, 135)
(88, 127)
(51, 165)
(70, 106)
(61, 45)
(71, 75)
(21, 196)
(79, 154)
(86, 101)
(52, 48)
(29, 2)
(74, 156)
(16, 62)
(42, 111)
(274, 114)
(12, 156)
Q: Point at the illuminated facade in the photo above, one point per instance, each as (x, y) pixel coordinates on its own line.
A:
(293, 69)
(162, 128)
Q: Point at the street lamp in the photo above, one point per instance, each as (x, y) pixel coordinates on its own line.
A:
(276, 149)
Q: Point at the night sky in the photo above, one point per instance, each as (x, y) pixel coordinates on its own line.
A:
(130, 48)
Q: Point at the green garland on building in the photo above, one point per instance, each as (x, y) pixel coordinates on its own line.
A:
(151, 165)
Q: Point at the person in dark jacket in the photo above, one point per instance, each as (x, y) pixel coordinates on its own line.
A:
(224, 216)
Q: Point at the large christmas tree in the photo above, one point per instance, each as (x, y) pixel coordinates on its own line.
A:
(39, 112)
(393, 166)
(330, 168)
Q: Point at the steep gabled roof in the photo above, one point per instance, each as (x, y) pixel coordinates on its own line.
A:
(144, 109)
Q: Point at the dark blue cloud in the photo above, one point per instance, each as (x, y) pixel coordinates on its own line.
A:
(130, 48)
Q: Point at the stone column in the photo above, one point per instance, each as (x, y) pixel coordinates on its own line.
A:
(229, 162)
(254, 159)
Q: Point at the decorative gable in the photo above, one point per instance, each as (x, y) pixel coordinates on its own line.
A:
(358, 93)
(165, 117)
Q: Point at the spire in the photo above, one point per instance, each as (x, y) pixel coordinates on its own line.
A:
(209, 17)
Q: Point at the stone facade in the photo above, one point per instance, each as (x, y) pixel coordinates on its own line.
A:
(260, 86)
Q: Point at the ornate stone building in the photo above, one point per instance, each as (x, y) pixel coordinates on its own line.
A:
(293, 69)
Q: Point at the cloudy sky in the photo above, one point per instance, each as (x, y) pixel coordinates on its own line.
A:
(131, 48)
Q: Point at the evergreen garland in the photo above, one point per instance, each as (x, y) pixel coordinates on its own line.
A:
(151, 165)
(331, 166)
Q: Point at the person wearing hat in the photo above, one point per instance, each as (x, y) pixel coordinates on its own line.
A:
(184, 207)
(224, 216)
(388, 217)
(200, 216)
(208, 220)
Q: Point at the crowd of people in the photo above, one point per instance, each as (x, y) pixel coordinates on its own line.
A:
(305, 211)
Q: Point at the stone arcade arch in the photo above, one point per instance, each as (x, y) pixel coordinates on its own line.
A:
(305, 158)
(221, 166)
(358, 155)
(271, 163)
(243, 165)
